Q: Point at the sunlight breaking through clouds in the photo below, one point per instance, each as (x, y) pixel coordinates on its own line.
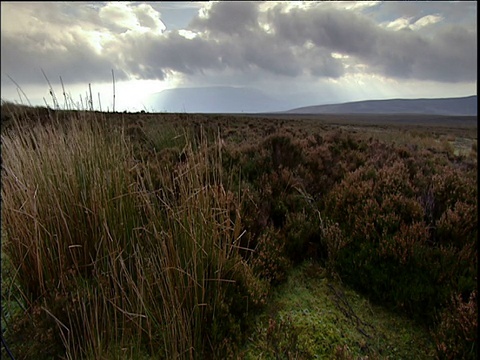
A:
(286, 42)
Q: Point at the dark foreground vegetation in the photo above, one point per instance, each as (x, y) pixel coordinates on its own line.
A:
(177, 236)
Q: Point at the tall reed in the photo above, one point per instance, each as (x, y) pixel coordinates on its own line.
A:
(125, 257)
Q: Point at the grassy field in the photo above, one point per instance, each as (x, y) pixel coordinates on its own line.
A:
(211, 236)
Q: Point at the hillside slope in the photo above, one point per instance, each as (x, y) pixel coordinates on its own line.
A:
(465, 106)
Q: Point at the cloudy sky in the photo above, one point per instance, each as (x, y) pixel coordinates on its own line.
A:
(298, 53)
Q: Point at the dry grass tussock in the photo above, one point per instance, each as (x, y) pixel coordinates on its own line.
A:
(111, 256)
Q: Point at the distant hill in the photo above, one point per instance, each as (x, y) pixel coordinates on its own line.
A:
(443, 106)
(214, 99)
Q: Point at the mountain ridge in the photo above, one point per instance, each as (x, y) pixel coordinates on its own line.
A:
(464, 106)
(232, 99)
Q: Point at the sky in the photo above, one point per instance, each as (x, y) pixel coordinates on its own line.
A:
(297, 53)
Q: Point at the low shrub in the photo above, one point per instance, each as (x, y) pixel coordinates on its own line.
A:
(408, 241)
(456, 334)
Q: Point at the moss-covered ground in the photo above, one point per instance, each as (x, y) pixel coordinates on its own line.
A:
(315, 316)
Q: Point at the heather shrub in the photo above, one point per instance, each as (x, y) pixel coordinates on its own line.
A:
(283, 151)
(269, 261)
(244, 160)
(303, 236)
(456, 334)
(328, 159)
(332, 242)
(450, 185)
(407, 241)
(396, 222)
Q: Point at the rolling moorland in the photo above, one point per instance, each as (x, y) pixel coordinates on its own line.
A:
(244, 100)
(210, 236)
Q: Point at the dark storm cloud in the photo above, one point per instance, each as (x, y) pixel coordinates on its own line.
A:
(172, 52)
(73, 58)
(449, 56)
(330, 29)
(266, 53)
(229, 36)
(324, 65)
(228, 18)
(320, 40)
(66, 40)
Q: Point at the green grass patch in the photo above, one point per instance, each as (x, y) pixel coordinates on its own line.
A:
(312, 316)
